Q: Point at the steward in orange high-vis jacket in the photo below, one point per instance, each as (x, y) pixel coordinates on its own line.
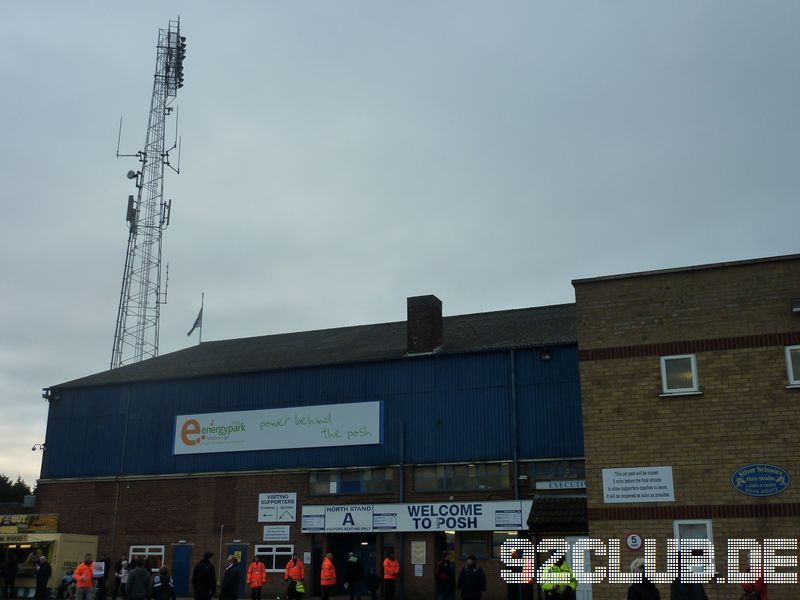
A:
(391, 569)
(256, 577)
(327, 576)
(83, 579)
(294, 569)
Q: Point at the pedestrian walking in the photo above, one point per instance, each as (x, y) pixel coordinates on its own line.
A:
(229, 588)
(327, 576)
(10, 568)
(43, 573)
(757, 590)
(66, 588)
(353, 576)
(84, 583)
(686, 591)
(373, 583)
(163, 586)
(391, 569)
(120, 577)
(256, 577)
(645, 589)
(118, 566)
(102, 581)
(204, 578)
(445, 577)
(471, 580)
(138, 586)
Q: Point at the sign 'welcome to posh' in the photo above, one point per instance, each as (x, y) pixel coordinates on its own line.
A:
(351, 424)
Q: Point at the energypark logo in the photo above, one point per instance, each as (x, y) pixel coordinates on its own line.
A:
(194, 433)
(690, 560)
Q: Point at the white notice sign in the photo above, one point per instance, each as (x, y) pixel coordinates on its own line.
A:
(638, 484)
(276, 533)
(280, 507)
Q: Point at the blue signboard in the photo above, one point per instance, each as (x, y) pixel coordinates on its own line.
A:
(760, 480)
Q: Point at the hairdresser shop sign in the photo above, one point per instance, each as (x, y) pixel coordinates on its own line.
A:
(760, 480)
(352, 424)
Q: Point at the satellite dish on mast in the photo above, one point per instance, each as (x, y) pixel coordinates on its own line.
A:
(131, 175)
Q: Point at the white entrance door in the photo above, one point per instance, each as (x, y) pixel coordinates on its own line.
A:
(584, 591)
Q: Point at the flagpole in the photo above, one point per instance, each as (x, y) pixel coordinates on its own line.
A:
(202, 299)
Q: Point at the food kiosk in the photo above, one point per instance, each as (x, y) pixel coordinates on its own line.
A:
(24, 538)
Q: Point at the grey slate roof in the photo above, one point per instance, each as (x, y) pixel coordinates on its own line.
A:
(519, 328)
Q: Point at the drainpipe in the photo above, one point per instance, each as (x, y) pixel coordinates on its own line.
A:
(127, 394)
(402, 499)
(514, 424)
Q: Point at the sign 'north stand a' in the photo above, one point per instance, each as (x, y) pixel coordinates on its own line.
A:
(439, 516)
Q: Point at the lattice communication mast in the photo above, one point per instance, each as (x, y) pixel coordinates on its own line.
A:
(141, 297)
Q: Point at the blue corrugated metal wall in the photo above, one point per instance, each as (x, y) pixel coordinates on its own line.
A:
(455, 408)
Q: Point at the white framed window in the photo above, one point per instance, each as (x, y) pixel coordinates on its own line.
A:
(153, 556)
(694, 529)
(274, 557)
(793, 364)
(679, 374)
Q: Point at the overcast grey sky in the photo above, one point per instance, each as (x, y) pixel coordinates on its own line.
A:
(341, 156)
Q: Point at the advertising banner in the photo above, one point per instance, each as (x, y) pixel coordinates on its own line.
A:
(352, 424)
(437, 516)
(28, 523)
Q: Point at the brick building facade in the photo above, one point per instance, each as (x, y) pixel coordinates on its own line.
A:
(728, 400)
(475, 410)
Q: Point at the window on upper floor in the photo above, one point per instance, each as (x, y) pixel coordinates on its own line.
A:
(793, 364)
(274, 557)
(556, 470)
(356, 481)
(679, 374)
(433, 478)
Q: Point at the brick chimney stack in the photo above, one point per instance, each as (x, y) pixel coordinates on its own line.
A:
(424, 325)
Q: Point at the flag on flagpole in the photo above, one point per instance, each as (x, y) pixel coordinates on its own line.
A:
(198, 322)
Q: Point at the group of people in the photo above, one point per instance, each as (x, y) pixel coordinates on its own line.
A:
(681, 590)
(134, 581)
(354, 576)
(204, 578)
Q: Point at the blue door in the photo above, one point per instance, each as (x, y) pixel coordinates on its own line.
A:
(240, 552)
(181, 562)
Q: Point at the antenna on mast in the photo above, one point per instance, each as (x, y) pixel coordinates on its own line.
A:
(148, 215)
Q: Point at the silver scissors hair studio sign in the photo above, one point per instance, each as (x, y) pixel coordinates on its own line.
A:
(760, 480)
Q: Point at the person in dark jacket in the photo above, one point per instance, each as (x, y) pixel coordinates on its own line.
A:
(687, 591)
(445, 577)
(163, 586)
(119, 583)
(471, 580)
(138, 587)
(43, 573)
(204, 578)
(9, 578)
(229, 588)
(353, 576)
(646, 589)
(373, 583)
